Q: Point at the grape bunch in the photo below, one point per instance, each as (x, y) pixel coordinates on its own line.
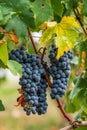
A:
(32, 82)
(60, 72)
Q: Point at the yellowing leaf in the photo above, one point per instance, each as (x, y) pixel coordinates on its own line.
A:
(80, 5)
(48, 24)
(69, 21)
(66, 34)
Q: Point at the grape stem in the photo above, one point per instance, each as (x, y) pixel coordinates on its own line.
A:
(77, 14)
(47, 78)
(43, 54)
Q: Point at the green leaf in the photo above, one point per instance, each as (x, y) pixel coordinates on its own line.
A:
(42, 11)
(82, 99)
(2, 108)
(83, 48)
(28, 18)
(56, 17)
(2, 65)
(76, 89)
(1, 16)
(10, 45)
(84, 10)
(17, 15)
(73, 4)
(71, 105)
(78, 114)
(17, 25)
(15, 67)
(20, 5)
(57, 7)
(4, 53)
(81, 83)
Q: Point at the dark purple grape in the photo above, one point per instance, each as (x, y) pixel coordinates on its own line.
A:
(60, 71)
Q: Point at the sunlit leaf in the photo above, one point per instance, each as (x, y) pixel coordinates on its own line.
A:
(3, 53)
(66, 34)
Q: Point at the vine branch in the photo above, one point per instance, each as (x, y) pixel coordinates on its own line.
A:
(77, 14)
(48, 80)
(63, 112)
(32, 40)
(42, 57)
(75, 125)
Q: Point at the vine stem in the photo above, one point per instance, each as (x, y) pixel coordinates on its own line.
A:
(48, 80)
(75, 125)
(63, 112)
(44, 50)
(32, 40)
(77, 14)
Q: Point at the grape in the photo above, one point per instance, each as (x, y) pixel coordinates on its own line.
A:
(60, 72)
(42, 106)
(32, 82)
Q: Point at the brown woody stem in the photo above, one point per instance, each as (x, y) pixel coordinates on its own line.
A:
(77, 14)
(48, 80)
(63, 112)
(43, 54)
(32, 40)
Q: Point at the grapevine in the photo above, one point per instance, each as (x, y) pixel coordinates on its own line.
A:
(54, 60)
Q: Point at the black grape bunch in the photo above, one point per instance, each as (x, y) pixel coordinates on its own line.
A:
(60, 72)
(33, 83)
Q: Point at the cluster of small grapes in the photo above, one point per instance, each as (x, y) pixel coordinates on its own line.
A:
(33, 81)
(60, 72)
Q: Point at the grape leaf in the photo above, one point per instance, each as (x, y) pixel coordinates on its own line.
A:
(16, 5)
(18, 17)
(73, 4)
(28, 18)
(57, 7)
(84, 10)
(2, 108)
(81, 83)
(56, 17)
(66, 34)
(42, 11)
(17, 25)
(4, 53)
(82, 99)
(79, 114)
(5, 12)
(15, 67)
(83, 48)
(71, 105)
(2, 65)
